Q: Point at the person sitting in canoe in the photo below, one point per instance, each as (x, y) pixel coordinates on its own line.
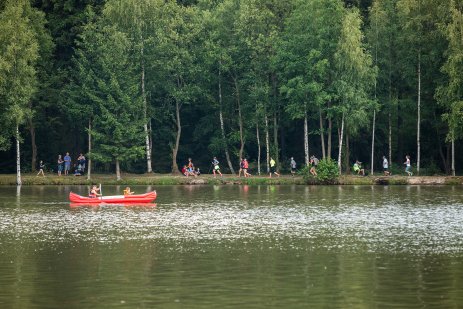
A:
(94, 193)
(127, 191)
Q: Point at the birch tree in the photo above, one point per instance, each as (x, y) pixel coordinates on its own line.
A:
(19, 52)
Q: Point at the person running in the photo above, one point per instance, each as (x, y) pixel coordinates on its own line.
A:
(60, 165)
(313, 165)
(358, 168)
(127, 191)
(408, 166)
(386, 167)
(216, 167)
(94, 192)
(293, 166)
(41, 167)
(273, 169)
(67, 163)
(245, 168)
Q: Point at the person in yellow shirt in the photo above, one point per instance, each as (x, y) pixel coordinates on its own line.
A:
(273, 169)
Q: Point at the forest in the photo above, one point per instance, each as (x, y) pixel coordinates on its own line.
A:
(140, 86)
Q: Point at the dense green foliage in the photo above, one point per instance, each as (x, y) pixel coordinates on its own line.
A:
(145, 84)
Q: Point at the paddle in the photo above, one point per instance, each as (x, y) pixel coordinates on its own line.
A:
(101, 193)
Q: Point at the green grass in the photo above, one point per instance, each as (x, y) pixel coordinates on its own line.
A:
(155, 179)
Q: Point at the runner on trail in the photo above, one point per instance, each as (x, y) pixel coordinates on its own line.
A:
(273, 169)
(293, 166)
(245, 168)
(408, 166)
(41, 167)
(216, 167)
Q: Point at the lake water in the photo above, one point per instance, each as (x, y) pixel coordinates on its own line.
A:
(234, 246)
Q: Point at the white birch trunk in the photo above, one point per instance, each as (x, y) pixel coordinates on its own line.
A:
(222, 127)
(373, 143)
(267, 143)
(418, 151)
(145, 125)
(177, 139)
(89, 162)
(18, 159)
(118, 170)
(306, 140)
(322, 134)
(258, 148)
(453, 156)
(390, 140)
(340, 144)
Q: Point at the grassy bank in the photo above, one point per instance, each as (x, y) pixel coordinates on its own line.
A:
(133, 179)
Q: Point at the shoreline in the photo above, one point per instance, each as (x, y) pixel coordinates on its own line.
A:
(168, 179)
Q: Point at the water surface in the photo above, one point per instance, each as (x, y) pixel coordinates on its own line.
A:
(234, 246)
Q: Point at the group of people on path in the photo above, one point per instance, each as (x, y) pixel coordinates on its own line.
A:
(64, 165)
(357, 167)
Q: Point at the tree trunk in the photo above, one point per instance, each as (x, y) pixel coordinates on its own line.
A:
(150, 132)
(89, 162)
(222, 127)
(453, 156)
(340, 144)
(18, 159)
(177, 139)
(373, 143)
(347, 156)
(145, 114)
(322, 134)
(240, 119)
(267, 143)
(418, 151)
(306, 140)
(258, 147)
(33, 146)
(118, 170)
(275, 139)
(330, 127)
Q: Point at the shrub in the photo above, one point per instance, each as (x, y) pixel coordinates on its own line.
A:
(327, 171)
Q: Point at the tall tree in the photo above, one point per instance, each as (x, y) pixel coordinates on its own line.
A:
(355, 76)
(19, 51)
(450, 94)
(112, 92)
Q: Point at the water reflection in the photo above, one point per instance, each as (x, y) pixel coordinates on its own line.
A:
(234, 246)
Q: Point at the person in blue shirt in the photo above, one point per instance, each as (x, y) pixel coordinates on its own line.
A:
(67, 163)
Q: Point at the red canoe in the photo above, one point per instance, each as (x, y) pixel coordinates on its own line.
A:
(134, 198)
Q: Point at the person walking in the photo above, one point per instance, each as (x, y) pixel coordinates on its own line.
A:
(67, 164)
(386, 167)
(41, 167)
(216, 167)
(408, 166)
(273, 169)
(60, 165)
(246, 168)
(313, 165)
(293, 166)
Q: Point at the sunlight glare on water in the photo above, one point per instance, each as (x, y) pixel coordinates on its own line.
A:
(275, 232)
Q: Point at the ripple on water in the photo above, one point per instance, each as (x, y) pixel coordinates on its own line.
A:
(375, 226)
